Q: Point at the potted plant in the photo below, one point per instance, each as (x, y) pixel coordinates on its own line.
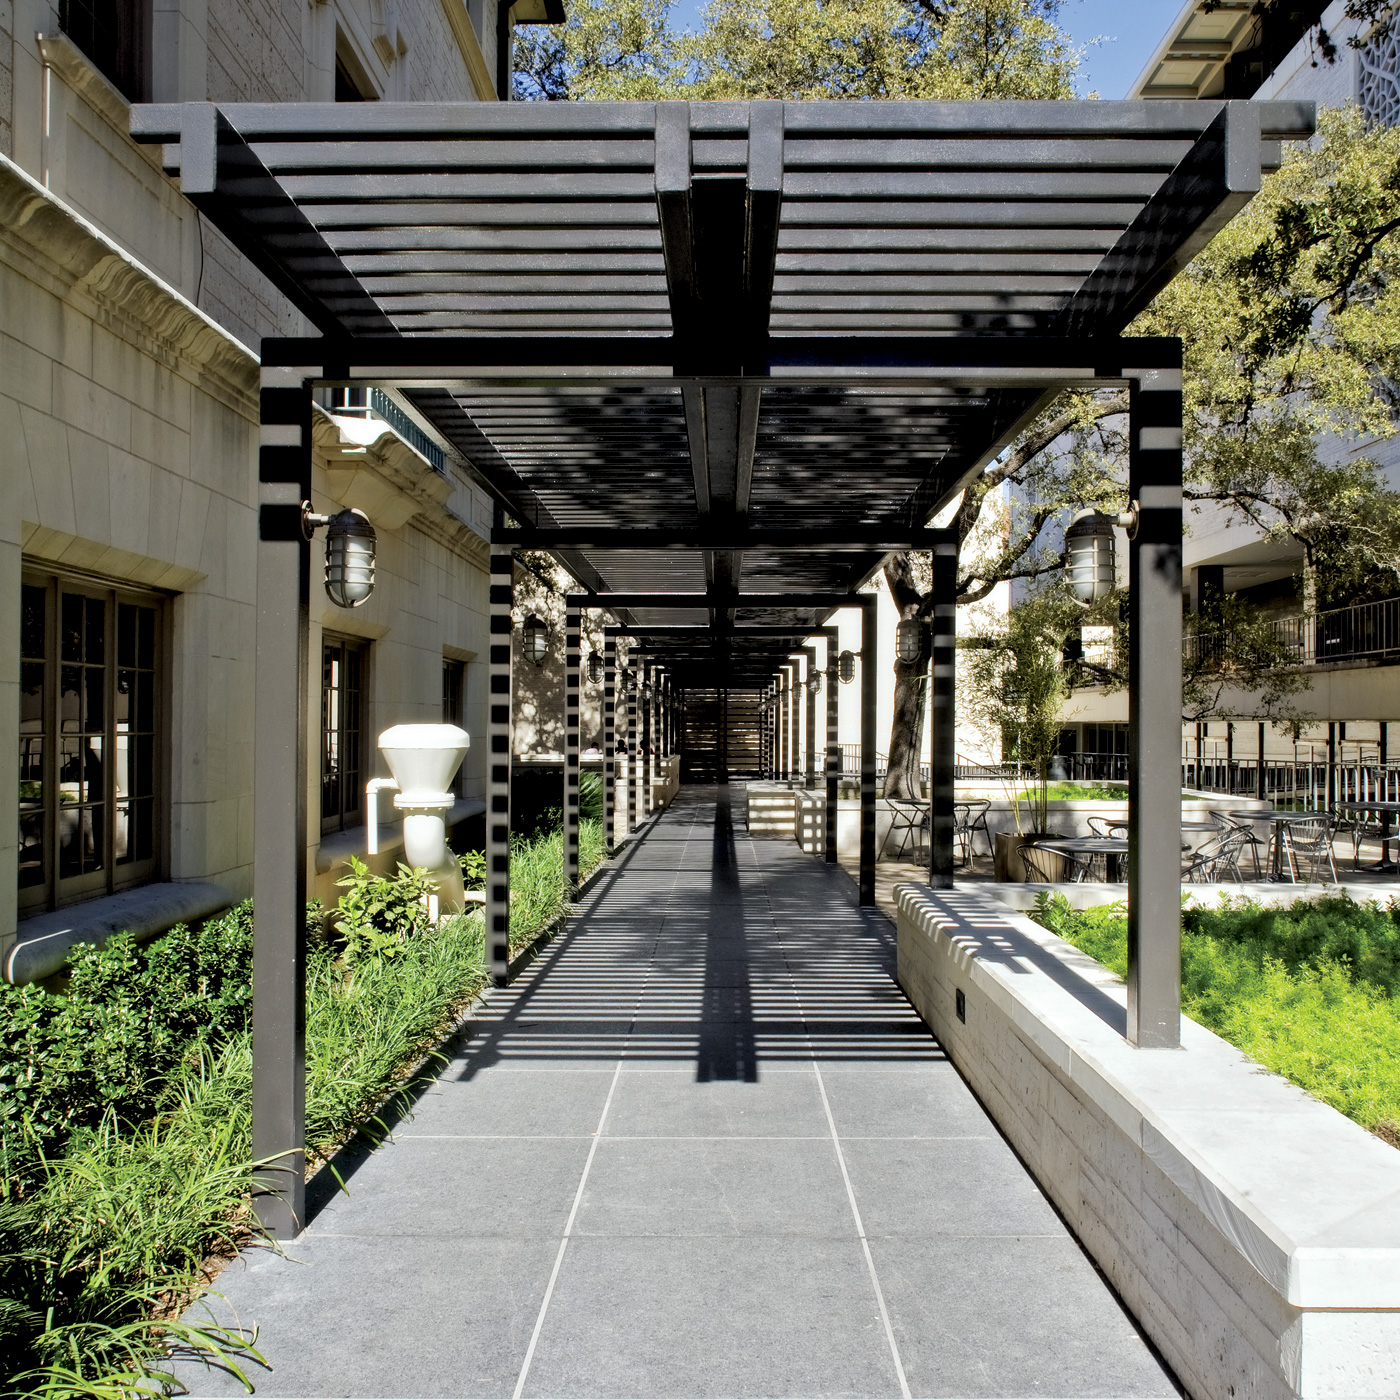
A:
(1014, 684)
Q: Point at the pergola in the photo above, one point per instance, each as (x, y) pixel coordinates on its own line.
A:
(719, 359)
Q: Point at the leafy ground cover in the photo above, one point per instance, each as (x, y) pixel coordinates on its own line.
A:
(1309, 991)
(124, 1109)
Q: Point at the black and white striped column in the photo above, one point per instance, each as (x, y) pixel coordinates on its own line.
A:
(1154, 708)
(809, 655)
(572, 619)
(610, 832)
(280, 715)
(498, 739)
(634, 758)
(648, 734)
(942, 715)
(833, 744)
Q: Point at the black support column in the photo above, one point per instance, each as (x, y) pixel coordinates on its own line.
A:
(572, 619)
(498, 740)
(633, 756)
(810, 762)
(869, 661)
(279, 801)
(833, 744)
(943, 716)
(648, 734)
(1154, 709)
(610, 739)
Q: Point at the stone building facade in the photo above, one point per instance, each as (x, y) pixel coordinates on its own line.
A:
(129, 331)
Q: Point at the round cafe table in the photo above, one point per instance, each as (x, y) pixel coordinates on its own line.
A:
(1111, 848)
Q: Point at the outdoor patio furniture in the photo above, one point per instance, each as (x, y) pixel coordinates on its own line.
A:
(1108, 827)
(1215, 860)
(1050, 865)
(1101, 855)
(1231, 821)
(968, 819)
(908, 821)
(1373, 821)
(1311, 840)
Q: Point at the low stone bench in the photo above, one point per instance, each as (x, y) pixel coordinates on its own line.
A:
(1253, 1231)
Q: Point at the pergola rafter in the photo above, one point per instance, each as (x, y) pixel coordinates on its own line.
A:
(673, 340)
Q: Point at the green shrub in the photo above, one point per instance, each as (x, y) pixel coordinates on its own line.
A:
(590, 795)
(1308, 991)
(380, 914)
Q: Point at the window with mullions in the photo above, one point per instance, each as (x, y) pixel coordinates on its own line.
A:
(342, 704)
(88, 750)
(116, 37)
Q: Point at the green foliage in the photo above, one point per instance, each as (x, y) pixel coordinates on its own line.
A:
(1311, 991)
(379, 915)
(127, 1166)
(473, 865)
(795, 49)
(590, 795)
(1080, 792)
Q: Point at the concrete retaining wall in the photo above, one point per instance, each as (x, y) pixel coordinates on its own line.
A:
(1253, 1231)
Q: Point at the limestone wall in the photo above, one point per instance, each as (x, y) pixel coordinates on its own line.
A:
(1248, 1227)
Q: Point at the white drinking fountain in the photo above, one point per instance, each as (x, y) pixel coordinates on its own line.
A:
(424, 759)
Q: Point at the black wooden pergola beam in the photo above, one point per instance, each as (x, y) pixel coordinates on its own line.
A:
(855, 537)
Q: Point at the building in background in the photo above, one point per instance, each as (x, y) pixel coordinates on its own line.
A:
(129, 329)
(1234, 49)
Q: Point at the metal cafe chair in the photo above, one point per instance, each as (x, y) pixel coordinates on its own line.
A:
(1311, 840)
(1217, 858)
(1227, 824)
(908, 820)
(1046, 867)
(969, 818)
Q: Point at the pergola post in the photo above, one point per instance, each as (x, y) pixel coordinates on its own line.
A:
(790, 721)
(279, 801)
(610, 739)
(810, 670)
(943, 716)
(833, 744)
(869, 661)
(498, 742)
(572, 620)
(648, 728)
(1154, 709)
(633, 756)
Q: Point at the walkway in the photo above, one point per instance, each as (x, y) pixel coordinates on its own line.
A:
(704, 1149)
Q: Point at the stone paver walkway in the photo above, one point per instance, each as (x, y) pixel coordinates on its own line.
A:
(704, 1148)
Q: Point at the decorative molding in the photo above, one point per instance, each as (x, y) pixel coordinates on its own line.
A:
(1378, 64)
(50, 243)
(477, 69)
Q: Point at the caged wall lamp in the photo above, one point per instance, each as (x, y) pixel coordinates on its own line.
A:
(846, 667)
(596, 666)
(1091, 564)
(534, 639)
(909, 641)
(814, 682)
(350, 551)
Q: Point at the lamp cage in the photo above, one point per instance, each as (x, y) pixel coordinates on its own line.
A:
(350, 551)
(1090, 556)
(909, 641)
(534, 639)
(597, 668)
(846, 667)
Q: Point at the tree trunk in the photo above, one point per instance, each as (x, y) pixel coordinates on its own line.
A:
(906, 733)
(910, 689)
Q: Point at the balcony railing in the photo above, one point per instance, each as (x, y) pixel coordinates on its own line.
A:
(1362, 632)
(374, 403)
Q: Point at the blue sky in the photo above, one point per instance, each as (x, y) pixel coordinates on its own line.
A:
(1129, 31)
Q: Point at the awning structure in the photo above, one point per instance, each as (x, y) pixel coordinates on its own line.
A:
(720, 358)
(722, 268)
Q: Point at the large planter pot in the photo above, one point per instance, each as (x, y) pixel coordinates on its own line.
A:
(1009, 868)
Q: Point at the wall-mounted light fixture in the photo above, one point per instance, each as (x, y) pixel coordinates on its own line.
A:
(814, 682)
(1090, 556)
(534, 639)
(646, 691)
(597, 667)
(909, 641)
(846, 667)
(350, 550)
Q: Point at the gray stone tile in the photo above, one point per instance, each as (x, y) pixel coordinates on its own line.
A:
(934, 1103)
(362, 1318)
(715, 1186)
(440, 1188)
(973, 1187)
(1011, 1317)
(765, 1317)
(675, 1105)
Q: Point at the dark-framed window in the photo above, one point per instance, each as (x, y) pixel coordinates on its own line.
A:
(454, 684)
(115, 35)
(344, 664)
(91, 718)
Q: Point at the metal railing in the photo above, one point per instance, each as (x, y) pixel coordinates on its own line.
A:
(1361, 632)
(1306, 782)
